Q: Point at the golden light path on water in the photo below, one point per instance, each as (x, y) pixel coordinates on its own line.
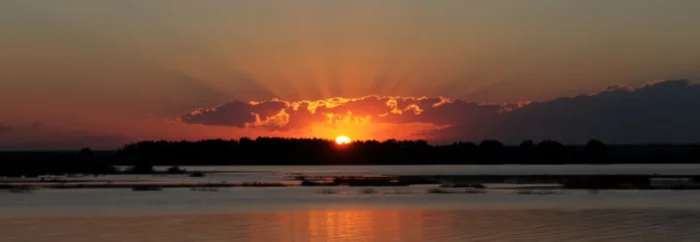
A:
(368, 225)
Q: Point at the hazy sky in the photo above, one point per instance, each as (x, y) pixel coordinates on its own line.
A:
(79, 72)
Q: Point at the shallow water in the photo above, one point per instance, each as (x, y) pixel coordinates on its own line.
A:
(369, 225)
(389, 214)
(124, 202)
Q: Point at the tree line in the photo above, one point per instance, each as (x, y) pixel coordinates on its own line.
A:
(292, 151)
(141, 156)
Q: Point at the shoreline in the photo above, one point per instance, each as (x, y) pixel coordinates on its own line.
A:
(563, 181)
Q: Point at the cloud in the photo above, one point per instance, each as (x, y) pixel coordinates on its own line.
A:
(659, 111)
(290, 115)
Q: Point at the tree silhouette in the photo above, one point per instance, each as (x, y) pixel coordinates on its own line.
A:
(551, 152)
(491, 151)
(143, 156)
(86, 153)
(528, 152)
(595, 151)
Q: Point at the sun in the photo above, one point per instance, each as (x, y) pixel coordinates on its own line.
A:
(341, 140)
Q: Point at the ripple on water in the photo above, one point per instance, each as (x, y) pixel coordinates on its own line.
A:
(369, 225)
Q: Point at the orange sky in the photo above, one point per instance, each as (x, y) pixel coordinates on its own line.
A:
(113, 72)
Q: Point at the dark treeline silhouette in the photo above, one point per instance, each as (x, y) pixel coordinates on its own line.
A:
(289, 151)
(142, 156)
(84, 161)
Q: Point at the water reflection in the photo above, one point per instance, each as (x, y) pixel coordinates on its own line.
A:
(368, 225)
(362, 225)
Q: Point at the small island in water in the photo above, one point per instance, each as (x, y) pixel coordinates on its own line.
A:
(142, 157)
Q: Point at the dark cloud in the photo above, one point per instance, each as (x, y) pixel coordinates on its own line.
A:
(235, 113)
(283, 115)
(661, 111)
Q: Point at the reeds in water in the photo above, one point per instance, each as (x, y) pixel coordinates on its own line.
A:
(262, 184)
(438, 190)
(368, 191)
(327, 191)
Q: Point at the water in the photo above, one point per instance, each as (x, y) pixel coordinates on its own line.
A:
(462, 169)
(370, 225)
(390, 214)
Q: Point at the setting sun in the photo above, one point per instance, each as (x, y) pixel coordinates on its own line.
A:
(341, 140)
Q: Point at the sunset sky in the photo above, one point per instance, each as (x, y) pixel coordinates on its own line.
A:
(76, 73)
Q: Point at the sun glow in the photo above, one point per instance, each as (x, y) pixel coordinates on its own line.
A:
(341, 140)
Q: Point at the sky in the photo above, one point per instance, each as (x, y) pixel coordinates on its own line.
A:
(97, 73)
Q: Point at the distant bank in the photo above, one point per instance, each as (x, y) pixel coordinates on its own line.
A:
(142, 156)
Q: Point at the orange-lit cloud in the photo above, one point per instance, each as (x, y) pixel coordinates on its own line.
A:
(618, 114)
(279, 114)
(656, 112)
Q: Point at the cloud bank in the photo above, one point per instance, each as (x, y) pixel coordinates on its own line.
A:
(657, 112)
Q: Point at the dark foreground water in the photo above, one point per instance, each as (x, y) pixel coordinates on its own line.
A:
(370, 225)
(390, 214)
(350, 214)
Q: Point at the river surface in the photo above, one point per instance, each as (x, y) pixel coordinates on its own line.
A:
(355, 214)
